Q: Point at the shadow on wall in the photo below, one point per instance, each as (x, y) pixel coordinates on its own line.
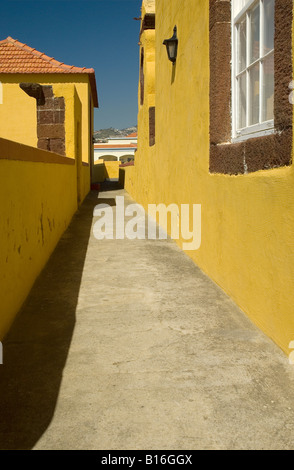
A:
(36, 348)
(122, 177)
(103, 170)
(122, 173)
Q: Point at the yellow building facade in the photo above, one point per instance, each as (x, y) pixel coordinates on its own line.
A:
(47, 104)
(46, 156)
(245, 185)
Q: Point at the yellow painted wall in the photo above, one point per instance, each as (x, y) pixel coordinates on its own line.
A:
(105, 169)
(112, 169)
(18, 115)
(138, 181)
(99, 172)
(248, 220)
(31, 221)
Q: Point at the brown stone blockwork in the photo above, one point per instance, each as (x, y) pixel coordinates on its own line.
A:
(257, 153)
(152, 126)
(50, 117)
(50, 122)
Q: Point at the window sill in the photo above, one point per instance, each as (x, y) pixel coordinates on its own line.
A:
(259, 130)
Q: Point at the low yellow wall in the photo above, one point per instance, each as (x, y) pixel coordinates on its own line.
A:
(38, 197)
(103, 170)
(112, 169)
(98, 172)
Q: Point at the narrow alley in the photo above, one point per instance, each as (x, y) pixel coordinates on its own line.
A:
(127, 345)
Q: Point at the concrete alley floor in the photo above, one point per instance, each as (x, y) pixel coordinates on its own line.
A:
(127, 345)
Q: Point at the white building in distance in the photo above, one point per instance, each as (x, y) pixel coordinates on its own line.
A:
(116, 149)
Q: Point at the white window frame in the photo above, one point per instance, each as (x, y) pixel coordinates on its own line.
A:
(240, 8)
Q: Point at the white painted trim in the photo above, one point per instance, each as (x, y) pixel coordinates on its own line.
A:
(246, 7)
(263, 128)
(119, 149)
(233, 78)
(258, 130)
(248, 88)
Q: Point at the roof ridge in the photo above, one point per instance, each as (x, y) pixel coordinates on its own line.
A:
(46, 64)
(45, 57)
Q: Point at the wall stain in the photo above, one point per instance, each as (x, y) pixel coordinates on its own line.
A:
(49, 223)
(42, 227)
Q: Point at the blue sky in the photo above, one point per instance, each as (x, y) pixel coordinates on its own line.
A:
(101, 34)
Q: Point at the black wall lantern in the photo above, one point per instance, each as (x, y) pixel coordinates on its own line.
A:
(172, 46)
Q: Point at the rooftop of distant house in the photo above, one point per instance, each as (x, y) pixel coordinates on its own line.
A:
(134, 135)
(113, 145)
(16, 57)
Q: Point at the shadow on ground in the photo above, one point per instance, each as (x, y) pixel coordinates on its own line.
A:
(37, 345)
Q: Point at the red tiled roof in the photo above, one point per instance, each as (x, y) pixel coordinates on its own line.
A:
(16, 57)
(127, 164)
(134, 134)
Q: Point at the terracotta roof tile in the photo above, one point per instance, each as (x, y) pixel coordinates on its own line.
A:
(16, 57)
(134, 134)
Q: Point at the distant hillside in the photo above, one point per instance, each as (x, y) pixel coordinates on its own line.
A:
(111, 132)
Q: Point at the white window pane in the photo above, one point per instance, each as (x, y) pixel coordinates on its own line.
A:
(255, 33)
(254, 95)
(254, 91)
(237, 6)
(242, 101)
(242, 46)
(269, 25)
(268, 87)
